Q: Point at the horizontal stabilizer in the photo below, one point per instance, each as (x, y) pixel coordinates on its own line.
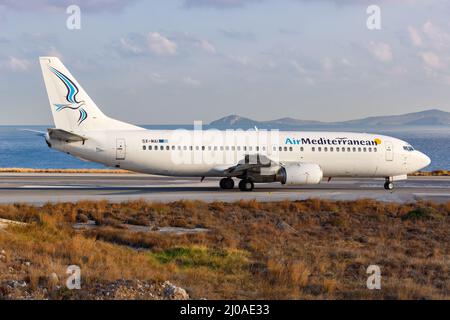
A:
(59, 134)
(36, 132)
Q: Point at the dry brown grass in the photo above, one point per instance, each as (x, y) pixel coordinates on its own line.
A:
(313, 249)
(121, 171)
(432, 173)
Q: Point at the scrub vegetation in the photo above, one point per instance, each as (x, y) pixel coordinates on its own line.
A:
(312, 249)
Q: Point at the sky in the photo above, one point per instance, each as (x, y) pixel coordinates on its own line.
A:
(177, 61)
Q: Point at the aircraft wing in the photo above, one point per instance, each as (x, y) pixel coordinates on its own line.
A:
(59, 134)
(253, 163)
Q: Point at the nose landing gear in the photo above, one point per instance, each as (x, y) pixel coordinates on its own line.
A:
(388, 185)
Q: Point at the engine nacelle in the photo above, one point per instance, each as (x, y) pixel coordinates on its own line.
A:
(300, 173)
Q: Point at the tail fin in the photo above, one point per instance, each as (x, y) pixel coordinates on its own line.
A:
(71, 106)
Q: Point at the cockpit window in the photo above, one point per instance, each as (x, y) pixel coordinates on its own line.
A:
(408, 148)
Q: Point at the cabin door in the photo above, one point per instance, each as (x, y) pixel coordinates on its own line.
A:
(389, 151)
(121, 149)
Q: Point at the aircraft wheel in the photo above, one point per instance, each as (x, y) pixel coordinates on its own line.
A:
(246, 185)
(226, 183)
(389, 185)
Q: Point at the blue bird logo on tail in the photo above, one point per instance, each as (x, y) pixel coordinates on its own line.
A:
(71, 97)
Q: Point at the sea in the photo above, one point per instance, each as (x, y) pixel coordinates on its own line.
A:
(23, 149)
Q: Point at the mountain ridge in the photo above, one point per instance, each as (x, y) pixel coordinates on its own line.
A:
(429, 117)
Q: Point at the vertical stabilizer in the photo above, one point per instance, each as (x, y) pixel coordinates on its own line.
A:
(72, 108)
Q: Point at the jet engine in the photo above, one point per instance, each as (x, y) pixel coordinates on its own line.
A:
(300, 173)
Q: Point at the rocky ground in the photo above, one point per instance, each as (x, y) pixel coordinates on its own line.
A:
(21, 287)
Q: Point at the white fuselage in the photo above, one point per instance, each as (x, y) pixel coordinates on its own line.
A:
(210, 152)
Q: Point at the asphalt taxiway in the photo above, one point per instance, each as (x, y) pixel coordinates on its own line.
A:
(42, 188)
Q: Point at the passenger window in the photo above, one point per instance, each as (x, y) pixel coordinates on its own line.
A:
(238, 148)
(227, 148)
(257, 148)
(264, 148)
(167, 148)
(245, 148)
(364, 149)
(232, 148)
(374, 149)
(337, 149)
(149, 147)
(325, 149)
(290, 148)
(331, 149)
(301, 149)
(348, 149)
(354, 149)
(280, 148)
(313, 149)
(144, 147)
(191, 148)
(319, 149)
(370, 149)
(203, 148)
(249, 148)
(274, 148)
(221, 148)
(173, 147)
(343, 149)
(359, 149)
(215, 148)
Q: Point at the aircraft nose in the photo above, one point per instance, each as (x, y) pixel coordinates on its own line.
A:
(423, 160)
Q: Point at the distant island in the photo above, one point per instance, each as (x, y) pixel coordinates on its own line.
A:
(432, 117)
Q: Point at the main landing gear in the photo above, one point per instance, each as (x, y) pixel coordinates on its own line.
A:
(246, 185)
(388, 185)
(226, 183)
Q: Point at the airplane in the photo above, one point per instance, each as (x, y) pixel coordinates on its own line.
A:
(253, 156)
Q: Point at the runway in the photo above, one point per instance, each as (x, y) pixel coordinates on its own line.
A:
(42, 188)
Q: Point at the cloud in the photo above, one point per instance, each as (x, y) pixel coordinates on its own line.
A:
(415, 37)
(160, 45)
(298, 67)
(206, 46)
(92, 6)
(438, 37)
(187, 41)
(218, 4)
(381, 51)
(431, 59)
(191, 82)
(155, 43)
(16, 64)
(127, 45)
(238, 35)
(327, 64)
(157, 78)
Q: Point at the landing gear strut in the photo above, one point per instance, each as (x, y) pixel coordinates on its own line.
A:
(246, 185)
(388, 185)
(226, 183)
